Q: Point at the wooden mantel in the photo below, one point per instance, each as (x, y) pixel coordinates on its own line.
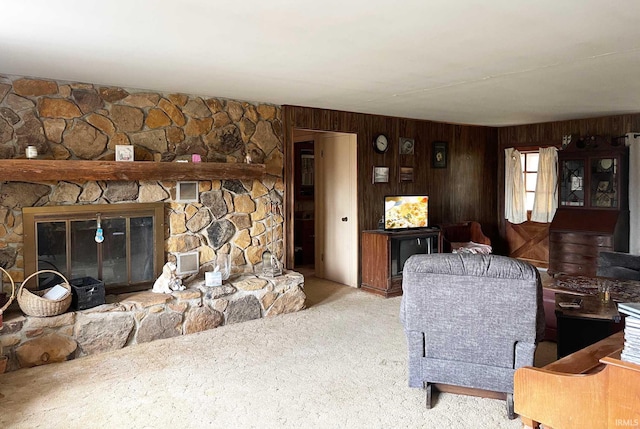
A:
(33, 170)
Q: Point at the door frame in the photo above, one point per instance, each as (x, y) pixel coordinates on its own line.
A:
(289, 194)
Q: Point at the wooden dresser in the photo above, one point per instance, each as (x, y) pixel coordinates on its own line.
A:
(592, 205)
(577, 236)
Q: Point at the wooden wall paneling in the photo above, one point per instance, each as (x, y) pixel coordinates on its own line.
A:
(449, 189)
(406, 128)
(461, 174)
(475, 163)
(458, 148)
(468, 183)
(485, 144)
(422, 153)
(437, 179)
(482, 161)
(492, 163)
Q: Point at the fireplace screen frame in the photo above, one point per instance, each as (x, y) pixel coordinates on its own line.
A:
(34, 215)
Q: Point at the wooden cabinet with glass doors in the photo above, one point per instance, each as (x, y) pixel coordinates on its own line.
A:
(592, 205)
(591, 182)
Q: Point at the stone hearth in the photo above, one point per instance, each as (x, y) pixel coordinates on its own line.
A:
(142, 317)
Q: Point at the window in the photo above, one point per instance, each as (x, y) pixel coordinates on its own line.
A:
(65, 239)
(529, 162)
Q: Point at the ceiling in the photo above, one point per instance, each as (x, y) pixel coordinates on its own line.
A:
(491, 62)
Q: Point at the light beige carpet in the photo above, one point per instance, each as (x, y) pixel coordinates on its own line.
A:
(341, 363)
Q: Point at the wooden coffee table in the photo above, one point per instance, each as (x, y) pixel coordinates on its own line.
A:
(581, 327)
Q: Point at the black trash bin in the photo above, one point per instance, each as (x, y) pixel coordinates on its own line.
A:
(87, 293)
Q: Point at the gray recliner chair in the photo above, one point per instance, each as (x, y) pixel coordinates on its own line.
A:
(470, 320)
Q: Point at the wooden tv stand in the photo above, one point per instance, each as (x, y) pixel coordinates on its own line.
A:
(589, 389)
(384, 252)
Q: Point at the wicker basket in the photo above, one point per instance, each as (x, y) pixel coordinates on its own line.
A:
(13, 294)
(33, 304)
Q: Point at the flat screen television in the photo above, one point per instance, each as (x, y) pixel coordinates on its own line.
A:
(406, 212)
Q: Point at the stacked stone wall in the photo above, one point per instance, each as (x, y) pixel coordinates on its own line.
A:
(68, 120)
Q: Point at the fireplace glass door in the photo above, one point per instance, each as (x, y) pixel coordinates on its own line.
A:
(122, 258)
(71, 244)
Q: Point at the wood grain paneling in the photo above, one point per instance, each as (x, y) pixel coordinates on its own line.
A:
(545, 134)
(465, 190)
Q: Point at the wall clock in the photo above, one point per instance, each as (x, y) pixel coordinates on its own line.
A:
(381, 143)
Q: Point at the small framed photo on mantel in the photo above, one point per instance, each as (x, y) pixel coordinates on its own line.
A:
(124, 152)
(439, 155)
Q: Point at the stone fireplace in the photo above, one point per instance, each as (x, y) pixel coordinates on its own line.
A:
(78, 121)
(69, 121)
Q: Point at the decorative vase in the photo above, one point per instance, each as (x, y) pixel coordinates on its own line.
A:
(223, 265)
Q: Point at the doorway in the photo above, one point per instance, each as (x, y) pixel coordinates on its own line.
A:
(326, 224)
(304, 215)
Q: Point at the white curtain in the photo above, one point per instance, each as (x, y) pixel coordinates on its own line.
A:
(633, 141)
(514, 193)
(545, 202)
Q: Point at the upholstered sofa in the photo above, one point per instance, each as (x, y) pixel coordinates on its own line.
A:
(470, 320)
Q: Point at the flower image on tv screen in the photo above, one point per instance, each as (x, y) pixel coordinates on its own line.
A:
(406, 212)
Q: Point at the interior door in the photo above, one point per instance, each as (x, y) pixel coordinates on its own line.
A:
(337, 207)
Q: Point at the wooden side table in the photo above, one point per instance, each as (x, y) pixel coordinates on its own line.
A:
(581, 327)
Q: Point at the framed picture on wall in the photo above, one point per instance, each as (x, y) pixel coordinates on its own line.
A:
(439, 155)
(380, 174)
(406, 146)
(406, 174)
